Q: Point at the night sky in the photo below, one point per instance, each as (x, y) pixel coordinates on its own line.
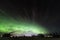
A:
(44, 12)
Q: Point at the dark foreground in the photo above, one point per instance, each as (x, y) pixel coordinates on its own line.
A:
(27, 38)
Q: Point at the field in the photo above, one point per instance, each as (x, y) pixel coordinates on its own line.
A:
(28, 38)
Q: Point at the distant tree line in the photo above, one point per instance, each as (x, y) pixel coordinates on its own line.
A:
(39, 35)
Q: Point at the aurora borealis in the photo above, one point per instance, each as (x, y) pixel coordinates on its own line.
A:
(9, 24)
(35, 16)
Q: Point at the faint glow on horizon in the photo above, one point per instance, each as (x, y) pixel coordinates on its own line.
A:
(28, 34)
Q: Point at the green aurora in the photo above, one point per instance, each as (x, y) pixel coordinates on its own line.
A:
(9, 24)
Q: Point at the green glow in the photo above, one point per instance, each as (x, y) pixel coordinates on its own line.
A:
(9, 25)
